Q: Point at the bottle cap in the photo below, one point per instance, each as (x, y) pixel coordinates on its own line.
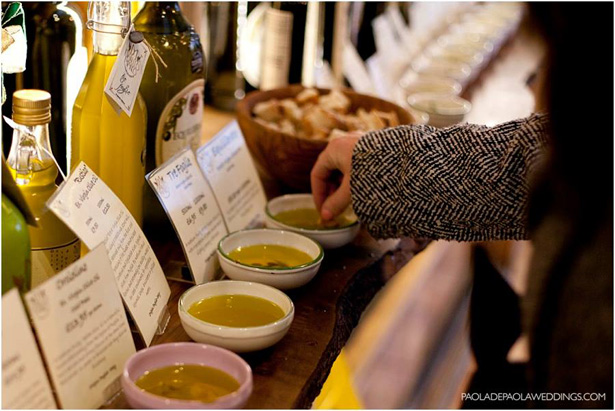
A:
(31, 107)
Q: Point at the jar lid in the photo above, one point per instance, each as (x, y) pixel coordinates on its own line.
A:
(31, 107)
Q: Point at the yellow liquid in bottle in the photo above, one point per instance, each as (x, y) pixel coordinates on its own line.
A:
(111, 145)
(54, 245)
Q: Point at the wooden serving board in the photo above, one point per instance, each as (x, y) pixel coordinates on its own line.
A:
(291, 373)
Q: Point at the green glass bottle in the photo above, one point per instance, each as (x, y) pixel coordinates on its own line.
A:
(15, 248)
(175, 101)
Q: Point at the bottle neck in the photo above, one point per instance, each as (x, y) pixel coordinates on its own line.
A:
(108, 20)
(31, 153)
(107, 44)
(161, 17)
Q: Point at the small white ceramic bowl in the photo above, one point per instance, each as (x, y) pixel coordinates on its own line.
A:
(236, 339)
(428, 66)
(282, 278)
(413, 83)
(471, 58)
(328, 238)
(468, 42)
(444, 109)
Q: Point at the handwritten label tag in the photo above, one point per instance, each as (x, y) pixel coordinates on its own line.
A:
(189, 202)
(83, 331)
(226, 162)
(89, 208)
(24, 381)
(124, 81)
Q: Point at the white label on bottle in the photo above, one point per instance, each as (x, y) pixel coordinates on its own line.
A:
(122, 87)
(180, 122)
(46, 262)
(189, 202)
(226, 162)
(83, 331)
(24, 381)
(278, 48)
(89, 208)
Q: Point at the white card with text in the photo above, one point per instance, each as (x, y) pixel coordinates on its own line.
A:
(189, 202)
(24, 381)
(89, 208)
(83, 331)
(227, 164)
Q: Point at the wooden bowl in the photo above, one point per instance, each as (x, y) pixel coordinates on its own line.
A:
(287, 158)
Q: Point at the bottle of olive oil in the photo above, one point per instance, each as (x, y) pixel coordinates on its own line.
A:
(54, 245)
(174, 98)
(111, 144)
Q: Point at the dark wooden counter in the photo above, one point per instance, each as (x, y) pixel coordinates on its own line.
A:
(291, 373)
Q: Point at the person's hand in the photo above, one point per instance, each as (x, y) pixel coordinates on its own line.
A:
(330, 176)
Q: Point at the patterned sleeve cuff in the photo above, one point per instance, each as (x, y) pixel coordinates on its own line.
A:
(464, 183)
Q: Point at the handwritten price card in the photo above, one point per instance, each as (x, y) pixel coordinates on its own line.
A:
(188, 200)
(124, 81)
(227, 164)
(24, 381)
(83, 331)
(89, 208)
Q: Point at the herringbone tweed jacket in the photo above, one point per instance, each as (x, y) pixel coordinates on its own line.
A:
(476, 183)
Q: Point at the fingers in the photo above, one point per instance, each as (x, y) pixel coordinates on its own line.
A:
(337, 202)
(319, 179)
(331, 196)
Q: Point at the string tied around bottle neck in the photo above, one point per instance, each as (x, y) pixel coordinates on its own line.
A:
(137, 37)
(24, 129)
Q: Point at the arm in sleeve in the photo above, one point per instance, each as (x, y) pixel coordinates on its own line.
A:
(464, 183)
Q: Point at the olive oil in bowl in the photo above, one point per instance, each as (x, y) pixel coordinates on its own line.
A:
(188, 382)
(270, 256)
(309, 219)
(236, 310)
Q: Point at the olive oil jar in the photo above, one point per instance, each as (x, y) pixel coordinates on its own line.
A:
(54, 246)
(111, 144)
(173, 86)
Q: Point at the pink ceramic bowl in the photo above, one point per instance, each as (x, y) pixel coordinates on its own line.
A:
(185, 353)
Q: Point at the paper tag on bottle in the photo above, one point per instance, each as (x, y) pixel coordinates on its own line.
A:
(24, 381)
(90, 208)
(226, 162)
(83, 331)
(122, 87)
(191, 206)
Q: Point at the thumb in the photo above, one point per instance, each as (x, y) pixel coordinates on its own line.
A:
(337, 202)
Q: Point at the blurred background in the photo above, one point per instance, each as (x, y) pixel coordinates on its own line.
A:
(387, 49)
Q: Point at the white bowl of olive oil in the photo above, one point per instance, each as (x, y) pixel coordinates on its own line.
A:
(297, 213)
(279, 258)
(240, 316)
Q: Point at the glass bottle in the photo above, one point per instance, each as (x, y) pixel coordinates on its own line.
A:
(15, 248)
(111, 144)
(225, 83)
(54, 32)
(54, 246)
(175, 101)
(292, 44)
